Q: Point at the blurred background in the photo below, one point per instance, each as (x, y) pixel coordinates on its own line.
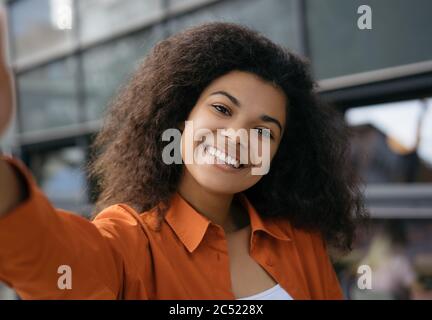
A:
(69, 58)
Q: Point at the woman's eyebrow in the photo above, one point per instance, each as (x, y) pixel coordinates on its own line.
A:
(264, 117)
(229, 96)
(267, 118)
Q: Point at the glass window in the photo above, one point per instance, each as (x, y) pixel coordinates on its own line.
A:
(106, 67)
(48, 96)
(41, 27)
(400, 34)
(393, 142)
(276, 19)
(61, 177)
(101, 18)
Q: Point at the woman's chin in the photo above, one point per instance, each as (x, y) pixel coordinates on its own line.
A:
(218, 182)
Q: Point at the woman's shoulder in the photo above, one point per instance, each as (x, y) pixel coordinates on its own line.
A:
(123, 220)
(306, 240)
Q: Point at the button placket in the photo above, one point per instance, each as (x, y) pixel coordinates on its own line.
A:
(222, 273)
(264, 258)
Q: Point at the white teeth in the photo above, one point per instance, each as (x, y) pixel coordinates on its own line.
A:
(222, 156)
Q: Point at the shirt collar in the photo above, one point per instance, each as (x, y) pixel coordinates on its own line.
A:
(191, 226)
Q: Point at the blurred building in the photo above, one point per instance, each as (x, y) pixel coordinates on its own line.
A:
(69, 58)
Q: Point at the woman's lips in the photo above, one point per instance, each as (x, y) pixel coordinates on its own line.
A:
(223, 160)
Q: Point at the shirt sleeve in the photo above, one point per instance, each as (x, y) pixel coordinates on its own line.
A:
(48, 253)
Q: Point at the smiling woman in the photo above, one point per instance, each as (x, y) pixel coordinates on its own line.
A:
(237, 100)
(209, 230)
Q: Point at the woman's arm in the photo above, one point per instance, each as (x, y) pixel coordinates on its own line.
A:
(12, 188)
(11, 192)
(6, 90)
(47, 253)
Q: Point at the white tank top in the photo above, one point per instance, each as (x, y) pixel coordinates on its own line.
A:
(274, 293)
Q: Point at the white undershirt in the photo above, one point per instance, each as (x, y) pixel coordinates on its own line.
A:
(274, 293)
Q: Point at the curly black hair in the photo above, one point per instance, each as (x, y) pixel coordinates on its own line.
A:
(310, 182)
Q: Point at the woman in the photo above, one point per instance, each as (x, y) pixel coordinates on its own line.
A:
(208, 229)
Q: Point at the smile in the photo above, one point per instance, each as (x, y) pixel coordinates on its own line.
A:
(222, 156)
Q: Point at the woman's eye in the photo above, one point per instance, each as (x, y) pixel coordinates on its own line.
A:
(265, 132)
(221, 109)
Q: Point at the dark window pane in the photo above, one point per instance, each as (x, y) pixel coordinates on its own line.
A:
(107, 67)
(400, 34)
(41, 27)
(101, 18)
(48, 96)
(60, 175)
(277, 19)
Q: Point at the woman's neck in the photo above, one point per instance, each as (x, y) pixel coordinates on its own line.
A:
(217, 207)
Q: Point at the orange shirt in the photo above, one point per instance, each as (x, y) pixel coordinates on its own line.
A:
(122, 254)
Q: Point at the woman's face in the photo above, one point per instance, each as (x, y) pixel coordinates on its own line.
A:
(227, 127)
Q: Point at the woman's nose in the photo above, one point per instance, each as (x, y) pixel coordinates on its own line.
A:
(236, 141)
(235, 135)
